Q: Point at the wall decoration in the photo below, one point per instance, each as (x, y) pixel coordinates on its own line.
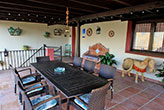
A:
(26, 47)
(47, 35)
(15, 32)
(58, 32)
(111, 33)
(83, 34)
(98, 30)
(89, 32)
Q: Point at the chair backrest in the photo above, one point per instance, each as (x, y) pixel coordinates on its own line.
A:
(26, 99)
(97, 98)
(16, 75)
(89, 66)
(77, 61)
(42, 58)
(107, 72)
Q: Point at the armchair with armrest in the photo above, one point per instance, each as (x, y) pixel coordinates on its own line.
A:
(40, 103)
(26, 79)
(92, 101)
(108, 72)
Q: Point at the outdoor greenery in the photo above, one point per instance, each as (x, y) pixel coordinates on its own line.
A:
(2, 63)
(26, 47)
(107, 59)
(161, 71)
(46, 34)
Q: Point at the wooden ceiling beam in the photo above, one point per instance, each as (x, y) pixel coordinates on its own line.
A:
(122, 2)
(30, 11)
(64, 5)
(90, 4)
(37, 7)
(127, 10)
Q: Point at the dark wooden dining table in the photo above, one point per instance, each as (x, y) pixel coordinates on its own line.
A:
(73, 82)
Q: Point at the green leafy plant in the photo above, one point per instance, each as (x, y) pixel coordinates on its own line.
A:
(46, 34)
(26, 47)
(15, 32)
(161, 71)
(107, 59)
(2, 63)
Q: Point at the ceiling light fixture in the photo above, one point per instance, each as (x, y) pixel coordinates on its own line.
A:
(67, 21)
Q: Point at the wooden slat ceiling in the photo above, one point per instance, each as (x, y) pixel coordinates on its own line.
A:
(85, 11)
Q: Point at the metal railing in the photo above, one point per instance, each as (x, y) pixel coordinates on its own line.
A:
(23, 58)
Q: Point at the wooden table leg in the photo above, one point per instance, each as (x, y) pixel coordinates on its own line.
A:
(68, 104)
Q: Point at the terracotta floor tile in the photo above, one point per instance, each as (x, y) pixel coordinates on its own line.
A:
(139, 100)
(109, 103)
(126, 95)
(154, 106)
(162, 95)
(159, 88)
(145, 108)
(130, 105)
(133, 90)
(159, 101)
(119, 107)
(146, 95)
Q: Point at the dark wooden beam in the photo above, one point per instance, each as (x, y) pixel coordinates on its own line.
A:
(64, 4)
(137, 8)
(30, 11)
(90, 4)
(37, 7)
(122, 2)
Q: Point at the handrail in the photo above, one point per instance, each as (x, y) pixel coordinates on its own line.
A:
(30, 57)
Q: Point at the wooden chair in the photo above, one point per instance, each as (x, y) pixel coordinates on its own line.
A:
(89, 66)
(40, 103)
(42, 59)
(77, 61)
(26, 79)
(92, 101)
(30, 84)
(108, 72)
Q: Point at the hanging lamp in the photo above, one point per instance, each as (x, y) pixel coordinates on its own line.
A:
(67, 21)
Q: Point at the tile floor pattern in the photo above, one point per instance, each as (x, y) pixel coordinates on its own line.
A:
(127, 95)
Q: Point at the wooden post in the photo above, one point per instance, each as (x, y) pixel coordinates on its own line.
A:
(73, 40)
(44, 49)
(78, 39)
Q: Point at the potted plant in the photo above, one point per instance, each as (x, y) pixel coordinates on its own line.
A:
(2, 63)
(46, 34)
(26, 47)
(107, 59)
(161, 71)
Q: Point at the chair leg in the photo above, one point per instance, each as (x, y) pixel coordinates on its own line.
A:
(23, 105)
(20, 97)
(111, 87)
(15, 89)
(68, 104)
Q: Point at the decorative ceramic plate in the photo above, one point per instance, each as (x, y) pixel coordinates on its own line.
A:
(111, 33)
(89, 32)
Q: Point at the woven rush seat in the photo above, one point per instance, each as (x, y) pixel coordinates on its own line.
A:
(46, 105)
(28, 79)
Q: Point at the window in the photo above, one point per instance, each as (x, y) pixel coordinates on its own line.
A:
(148, 37)
(145, 38)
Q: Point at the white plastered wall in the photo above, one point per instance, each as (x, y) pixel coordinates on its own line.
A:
(32, 35)
(115, 44)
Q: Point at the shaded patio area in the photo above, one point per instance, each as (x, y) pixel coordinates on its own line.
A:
(127, 94)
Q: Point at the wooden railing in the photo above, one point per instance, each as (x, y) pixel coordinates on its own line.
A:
(23, 58)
